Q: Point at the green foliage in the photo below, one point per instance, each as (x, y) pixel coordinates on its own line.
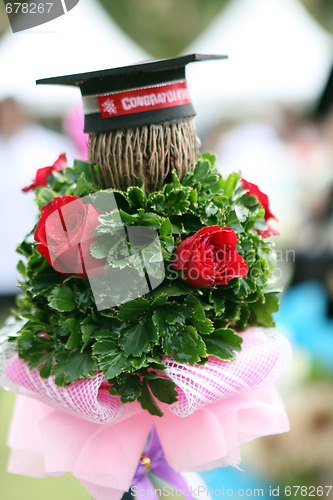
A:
(65, 335)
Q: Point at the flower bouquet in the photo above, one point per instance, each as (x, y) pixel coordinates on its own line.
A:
(143, 335)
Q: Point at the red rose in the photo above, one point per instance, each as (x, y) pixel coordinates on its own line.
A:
(65, 232)
(209, 257)
(264, 201)
(43, 173)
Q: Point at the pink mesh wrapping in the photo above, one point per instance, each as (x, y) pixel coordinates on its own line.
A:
(86, 398)
(264, 357)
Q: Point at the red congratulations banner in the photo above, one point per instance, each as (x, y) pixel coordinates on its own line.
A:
(147, 99)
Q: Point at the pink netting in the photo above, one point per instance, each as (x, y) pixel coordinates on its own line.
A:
(86, 398)
(264, 357)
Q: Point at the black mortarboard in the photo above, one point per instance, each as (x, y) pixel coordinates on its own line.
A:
(131, 96)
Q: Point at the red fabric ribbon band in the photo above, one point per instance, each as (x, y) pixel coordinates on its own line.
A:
(145, 99)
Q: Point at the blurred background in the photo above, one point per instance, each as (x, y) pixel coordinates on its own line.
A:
(267, 111)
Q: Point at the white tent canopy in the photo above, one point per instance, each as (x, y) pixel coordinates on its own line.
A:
(84, 39)
(277, 54)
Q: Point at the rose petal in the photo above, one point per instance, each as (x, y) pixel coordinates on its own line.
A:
(210, 257)
(43, 173)
(47, 210)
(66, 230)
(226, 237)
(262, 198)
(60, 163)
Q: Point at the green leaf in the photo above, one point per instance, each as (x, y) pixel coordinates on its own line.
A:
(243, 320)
(232, 311)
(97, 175)
(218, 301)
(238, 228)
(260, 225)
(134, 340)
(210, 157)
(198, 316)
(163, 389)
(147, 401)
(45, 370)
(110, 359)
(169, 244)
(131, 389)
(133, 309)
(178, 201)
(138, 363)
(84, 298)
(245, 287)
(211, 209)
(152, 331)
(151, 220)
(175, 180)
(43, 281)
(171, 290)
(21, 268)
(173, 315)
(37, 353)
(188, 346)
(222, 343)
(83, 187)
(166, 228)
(99, 250)
(128, 219)
(36, 264)
(211, 179)
(62, 299)
(193, 198)
(136, 196)
(157, 201)
(220, 201)
(75, 339)
(121, 200)
(44, 196)
(264, 311)
(159, 320)
(72, 366)
(104, 347)
(26, 340)
(242, 213)
(217, 187)
(25, 249)
(230, 184)
(79, 167)
(239, 193)
(201, 170)
(88, 329)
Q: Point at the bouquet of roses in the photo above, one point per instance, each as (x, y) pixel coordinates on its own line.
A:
(148, 313)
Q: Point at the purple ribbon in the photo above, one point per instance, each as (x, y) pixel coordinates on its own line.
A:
(159, 467)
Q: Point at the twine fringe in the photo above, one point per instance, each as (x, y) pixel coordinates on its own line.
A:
(149, 152)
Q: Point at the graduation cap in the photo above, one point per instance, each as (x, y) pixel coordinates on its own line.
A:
(136, 95)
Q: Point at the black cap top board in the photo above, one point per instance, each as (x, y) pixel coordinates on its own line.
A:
(131, 96)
